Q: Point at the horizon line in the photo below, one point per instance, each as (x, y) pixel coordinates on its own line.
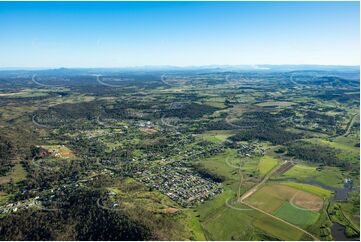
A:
(173, 66)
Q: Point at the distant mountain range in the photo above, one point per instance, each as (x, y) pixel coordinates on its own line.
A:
(209, 68)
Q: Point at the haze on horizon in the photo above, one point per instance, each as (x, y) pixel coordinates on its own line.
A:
(123, 34)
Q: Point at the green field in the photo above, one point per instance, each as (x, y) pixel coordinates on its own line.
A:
(309, 188)
(216, 135)
(271, 197)
(221, 222)
(224, 164)
(273, 103)
(330, 176)
(17, 174)
(345, 146)
(280, 230)
(266, 164)
(294, 215)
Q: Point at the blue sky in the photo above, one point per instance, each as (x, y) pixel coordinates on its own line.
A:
(117, 34)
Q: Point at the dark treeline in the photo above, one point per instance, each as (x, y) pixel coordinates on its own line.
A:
(79, 218)
(321, 154)
(192, 110)
(7, 153)
(263, 126)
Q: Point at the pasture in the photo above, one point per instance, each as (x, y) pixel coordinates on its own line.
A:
(309, 188)
(330, 176)
(217, 136)
(294, 215)
(266, 164)
(271, 197)
(218, 221)
(16, 175)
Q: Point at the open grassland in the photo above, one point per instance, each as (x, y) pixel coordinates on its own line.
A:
(216, 135)
(224, 164)
(346, 151)
(330, 176)
(271, 197)
(250, 164)
(275, 104)
(309, 188)
(16, 175)
(351, 140)
(217, 102)
(4, 197)
(280, 230)
(222, 222)
(26, 93)
(297, 216)
(266, 164)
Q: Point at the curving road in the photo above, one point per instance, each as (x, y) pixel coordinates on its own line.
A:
(348, 130)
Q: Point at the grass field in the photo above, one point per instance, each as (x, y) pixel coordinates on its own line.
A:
(217, 135)
(330, 176)
(346, 150)
(221, 222)
(3, 197)
(26, 93)
(309, 188)
(17, 174)
(266, 164)
(296, 216)
(273, 103)
(217, 102)
(278, 229)
(224, 164)
(271, 197)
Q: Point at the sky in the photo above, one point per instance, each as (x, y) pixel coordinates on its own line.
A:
(125, 34)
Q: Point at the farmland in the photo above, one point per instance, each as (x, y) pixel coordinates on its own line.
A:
(184, 155)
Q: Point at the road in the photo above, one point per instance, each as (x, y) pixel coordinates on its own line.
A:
(350, 125)
(255, 188)
(264, 180)
(281, 220)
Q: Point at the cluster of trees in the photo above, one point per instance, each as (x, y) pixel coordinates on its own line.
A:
(276, 135)
(263, 126)
(7, 153)
(193, 110)
(206, 173)
(78, 219)
(317, 153)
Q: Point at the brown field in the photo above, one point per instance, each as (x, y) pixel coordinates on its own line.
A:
(170, 210)
(307, 200)
(148, 130)
(60, 151)
(271, 197)
(4, 180)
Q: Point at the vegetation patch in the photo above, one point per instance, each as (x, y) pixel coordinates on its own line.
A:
(294, 215)
(309, 188)
(329, 176)
(271, 197)
(266, 164)
(216, 135)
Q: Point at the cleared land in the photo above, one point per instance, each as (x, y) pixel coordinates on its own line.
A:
(271, 197)
(266, 164)
(296, 216)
